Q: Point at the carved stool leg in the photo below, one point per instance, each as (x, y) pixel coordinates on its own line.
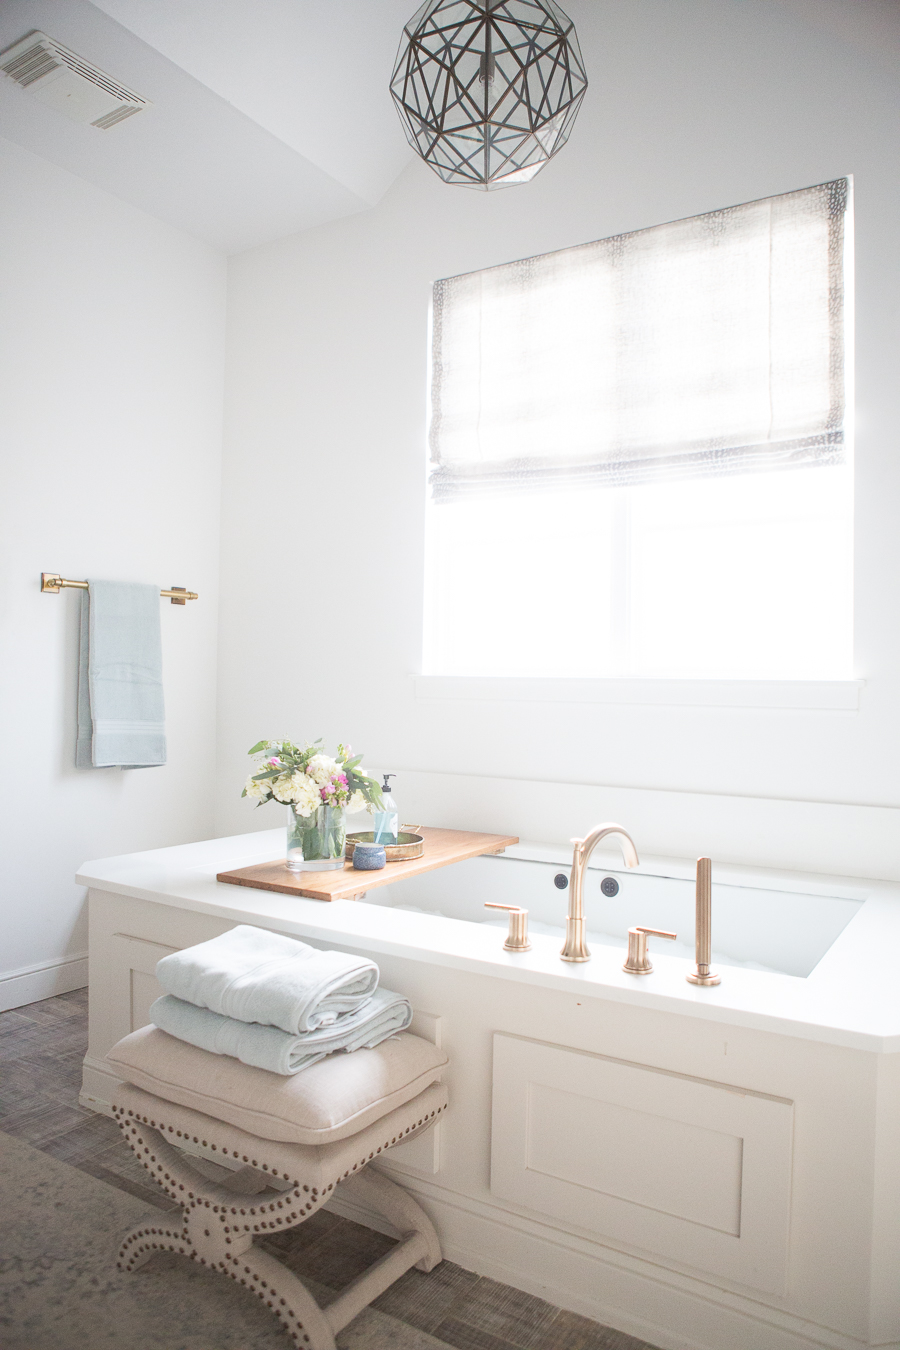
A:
(142, 1242)
(288, 1298)
(380, 1276)
(217, 1230)
(399, 1208)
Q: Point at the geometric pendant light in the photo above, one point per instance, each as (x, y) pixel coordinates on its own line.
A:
(488, 90)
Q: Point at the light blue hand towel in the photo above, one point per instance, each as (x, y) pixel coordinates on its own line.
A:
(121, 718)
(253, 975)
(266, 1047)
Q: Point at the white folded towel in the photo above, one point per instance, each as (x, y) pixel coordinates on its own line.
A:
(253, 975)
(266, 1047)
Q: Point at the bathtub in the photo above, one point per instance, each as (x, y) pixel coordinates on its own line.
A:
(783, 928)
(711, 1167)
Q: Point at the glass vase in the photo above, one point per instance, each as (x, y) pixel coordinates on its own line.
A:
(315, 843)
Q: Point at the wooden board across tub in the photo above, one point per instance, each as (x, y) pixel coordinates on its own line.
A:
(442, 847)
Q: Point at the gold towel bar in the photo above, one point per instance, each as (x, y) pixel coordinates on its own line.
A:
(53, 582)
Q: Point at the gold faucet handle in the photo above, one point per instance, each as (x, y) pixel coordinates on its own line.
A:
(638, 962)
(517, 938)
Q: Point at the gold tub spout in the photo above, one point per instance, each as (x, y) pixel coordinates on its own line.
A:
(575, 948)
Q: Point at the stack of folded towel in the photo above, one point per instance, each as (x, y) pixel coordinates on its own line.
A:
(273, 1002)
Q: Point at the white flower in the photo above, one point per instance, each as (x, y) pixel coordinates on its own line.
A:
(258, 790)
(282, 788)
(285, 786)
(358, 803)
(308, 798)
(322, 768)
(298, 791)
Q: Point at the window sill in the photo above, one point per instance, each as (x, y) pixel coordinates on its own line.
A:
(836, 695)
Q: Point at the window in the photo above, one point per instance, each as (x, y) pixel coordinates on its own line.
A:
(639, 454)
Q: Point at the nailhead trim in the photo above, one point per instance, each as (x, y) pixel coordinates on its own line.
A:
(137, 1244)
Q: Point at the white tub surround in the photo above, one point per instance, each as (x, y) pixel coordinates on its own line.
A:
(702, 1167)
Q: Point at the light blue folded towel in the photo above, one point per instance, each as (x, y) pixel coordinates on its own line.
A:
(253, 975)
(266, 1047)
(121, 718)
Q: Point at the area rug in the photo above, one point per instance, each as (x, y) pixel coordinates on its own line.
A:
(60, 1290)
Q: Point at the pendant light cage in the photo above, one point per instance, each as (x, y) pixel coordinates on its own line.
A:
(488, 92)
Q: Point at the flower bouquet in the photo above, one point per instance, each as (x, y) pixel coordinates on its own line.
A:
(318, 790)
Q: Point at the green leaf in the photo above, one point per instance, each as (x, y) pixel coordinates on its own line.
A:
(260, 745)
(312, 844)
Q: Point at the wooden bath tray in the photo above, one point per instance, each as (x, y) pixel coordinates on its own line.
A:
(442, 847)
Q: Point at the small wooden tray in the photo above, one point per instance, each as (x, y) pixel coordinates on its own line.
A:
(410, 844)
(442, 847)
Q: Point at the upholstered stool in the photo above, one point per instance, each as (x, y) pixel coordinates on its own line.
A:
(288, 1143)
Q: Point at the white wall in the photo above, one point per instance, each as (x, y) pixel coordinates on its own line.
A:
(111, 356)
(693, 106)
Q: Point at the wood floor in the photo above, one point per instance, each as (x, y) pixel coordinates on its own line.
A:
(41, 1050)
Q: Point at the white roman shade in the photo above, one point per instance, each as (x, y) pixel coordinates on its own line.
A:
(705, 346)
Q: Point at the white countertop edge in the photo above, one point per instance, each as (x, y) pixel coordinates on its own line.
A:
(835, 1004)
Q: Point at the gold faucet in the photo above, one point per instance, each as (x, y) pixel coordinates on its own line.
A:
(638, 962)
(517, 938)
(575, 948)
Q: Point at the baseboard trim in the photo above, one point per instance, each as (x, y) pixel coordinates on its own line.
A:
(44, 980)
(97, 1085)
(636, 1296)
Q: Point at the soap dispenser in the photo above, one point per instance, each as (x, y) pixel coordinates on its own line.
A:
(387, 820)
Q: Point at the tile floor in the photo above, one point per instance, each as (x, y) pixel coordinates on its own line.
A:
(41, 1049)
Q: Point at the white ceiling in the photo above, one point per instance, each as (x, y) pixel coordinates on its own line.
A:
(272, 116)
(267, 118)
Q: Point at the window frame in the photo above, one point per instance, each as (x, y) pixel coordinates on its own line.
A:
(806, 694)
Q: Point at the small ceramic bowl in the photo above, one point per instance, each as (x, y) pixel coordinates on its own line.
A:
(369, 857)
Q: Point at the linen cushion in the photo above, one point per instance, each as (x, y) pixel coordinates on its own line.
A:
(332, 1100)
(316, 1166)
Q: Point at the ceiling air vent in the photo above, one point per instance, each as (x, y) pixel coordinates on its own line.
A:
(68, 83)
